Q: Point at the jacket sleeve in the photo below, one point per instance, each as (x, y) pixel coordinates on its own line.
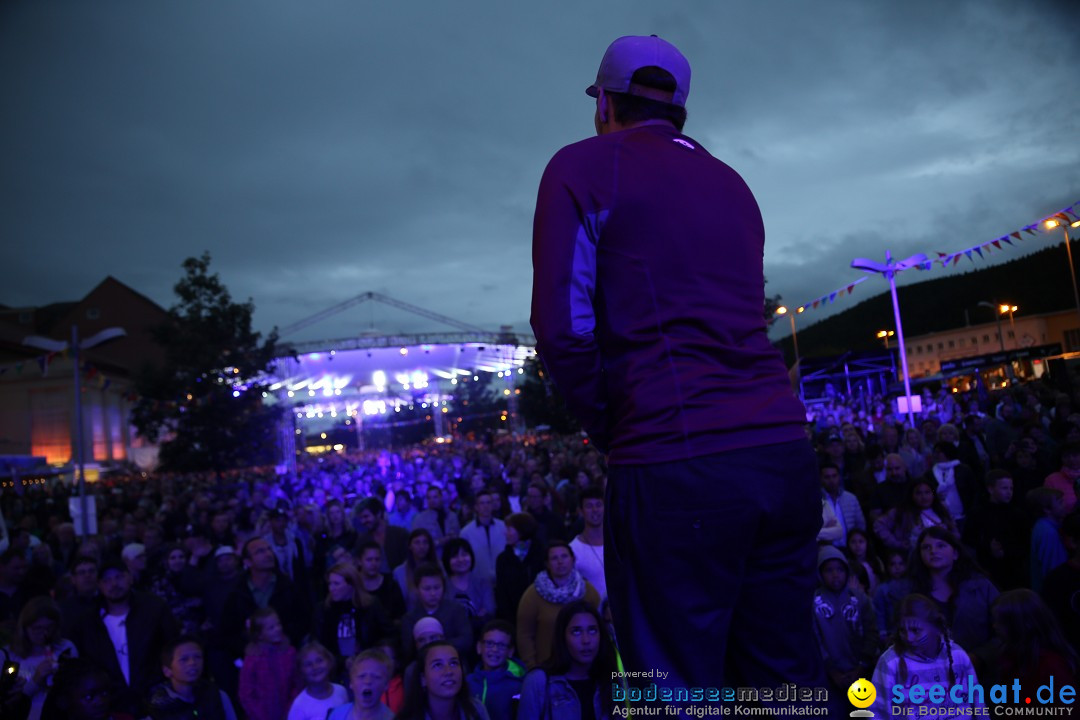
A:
(564, 281)
(532, 696)
(526, 628)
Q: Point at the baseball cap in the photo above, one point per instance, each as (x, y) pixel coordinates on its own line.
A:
(631, 53)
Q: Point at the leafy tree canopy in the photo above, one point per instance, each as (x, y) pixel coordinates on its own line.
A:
(205, 404)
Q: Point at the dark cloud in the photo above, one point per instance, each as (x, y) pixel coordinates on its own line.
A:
(321, 150)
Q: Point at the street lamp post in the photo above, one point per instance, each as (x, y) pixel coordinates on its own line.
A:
(794, 337)
(43, 343)
(998, 312)
(885, 335)
(1064, 225)
(1012, 323)
(888, 270)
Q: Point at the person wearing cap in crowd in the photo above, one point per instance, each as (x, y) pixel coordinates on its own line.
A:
(125, 636)
(647, 303)
(224, 579)
(134, 557)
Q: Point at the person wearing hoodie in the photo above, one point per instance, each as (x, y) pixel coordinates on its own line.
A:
(498, 677)
(843, 622)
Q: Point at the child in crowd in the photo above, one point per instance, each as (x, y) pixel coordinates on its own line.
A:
(319, 696)
(997, 531)
(1034, 648)
(1047, 549)
(268, 678)
(922, 654)
(843, 623)
(432, 602)
(861, 551)
(394, 696)
(896, 570)
(497, 678)
(81, 690)
(441, 692)
(185, 693)
(369, 673)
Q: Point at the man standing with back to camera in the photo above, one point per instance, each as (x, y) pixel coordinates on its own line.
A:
(648, 309)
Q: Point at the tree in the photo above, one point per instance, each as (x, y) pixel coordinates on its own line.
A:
(541, 402)
(206, 401)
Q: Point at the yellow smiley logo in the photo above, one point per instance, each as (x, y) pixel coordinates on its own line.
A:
(862, 693)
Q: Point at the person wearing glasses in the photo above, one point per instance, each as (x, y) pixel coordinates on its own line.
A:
(497, 677)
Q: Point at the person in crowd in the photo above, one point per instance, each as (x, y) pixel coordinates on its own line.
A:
(378, 583)
(126, 635)
(1034, 646)
(260, 587)
(319, 696)
(888, 492)
(896, 570)
(575, 683)
(38, 648)
(921, 508)
(1047, 549)
(844, 623)
(393, 541)
(588, 546)
(922, 648)
(222, 580)
(1062, 584)
(394, 695)
(349, 619)
(441, 524)
(13, 594)
(84, 597)
(268, 678)
(185, 692)
(441, 692)
(432, 601)
(369, 675)
(844, 505)
(517, 565)
(965, 450)
(942, 570)
(915, 453)
(975, 442)
(954, 481)
(996, 530)
(421, 550)
(1065, 479)
(497, 678)
(560, 583)
(860, 551)
(549, 525)
(82, 690)
(287, 547)
(475, 595)
(339, 534)
(134, 557)
(486, 534)
(403, 513)
(175, 586)
(221, 530)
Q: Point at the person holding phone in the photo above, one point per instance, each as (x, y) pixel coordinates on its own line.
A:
(37, 650)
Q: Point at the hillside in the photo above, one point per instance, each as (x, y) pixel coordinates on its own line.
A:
(1036, 283)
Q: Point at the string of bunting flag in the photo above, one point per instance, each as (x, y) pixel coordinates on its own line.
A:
(90, 373)
(1066, 216)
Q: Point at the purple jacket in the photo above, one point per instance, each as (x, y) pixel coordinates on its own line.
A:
(648, 299)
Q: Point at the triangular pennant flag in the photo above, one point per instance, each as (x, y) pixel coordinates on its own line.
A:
(832, 297)
(996, 243)
(1016, 235)
(840, 293)
(941, 254)
(1005, 239)
(978, 250)
(1030, 230)
(816, 304)
(43, 363)
(849, 288)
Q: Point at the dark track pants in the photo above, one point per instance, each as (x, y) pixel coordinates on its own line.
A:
(711, 567)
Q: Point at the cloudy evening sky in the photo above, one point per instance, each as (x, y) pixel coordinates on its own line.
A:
(322, 149)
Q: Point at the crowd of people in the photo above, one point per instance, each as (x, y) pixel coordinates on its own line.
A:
(466, 579)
